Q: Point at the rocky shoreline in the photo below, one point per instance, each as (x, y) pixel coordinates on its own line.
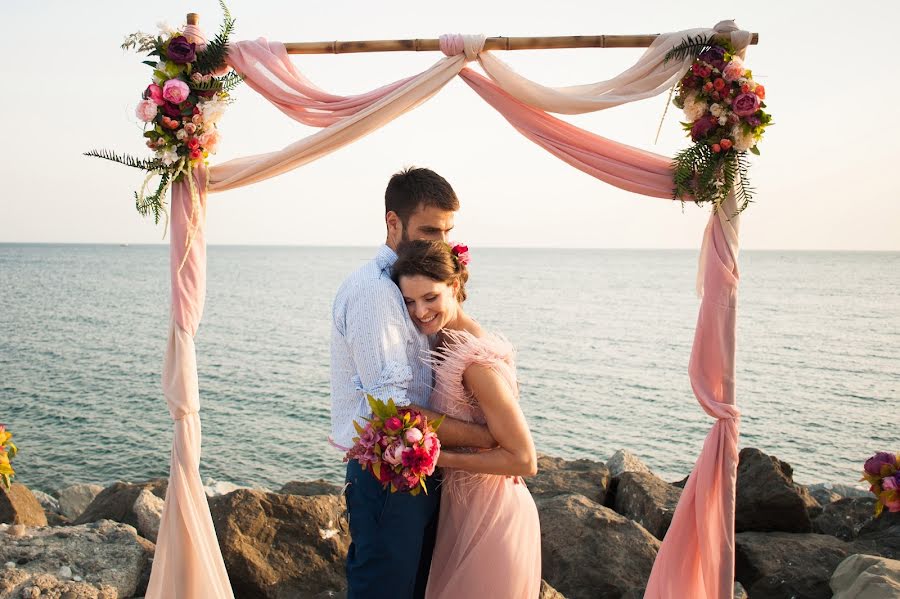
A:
(601, 527)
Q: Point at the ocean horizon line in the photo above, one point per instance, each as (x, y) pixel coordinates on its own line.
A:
(491, 247)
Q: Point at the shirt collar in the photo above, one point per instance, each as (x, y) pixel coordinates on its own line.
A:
(385, 257)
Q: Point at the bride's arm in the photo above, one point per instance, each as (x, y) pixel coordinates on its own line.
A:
(458, 433)
(516, 455)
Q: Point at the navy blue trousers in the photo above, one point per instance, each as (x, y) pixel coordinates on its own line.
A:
(392, 537)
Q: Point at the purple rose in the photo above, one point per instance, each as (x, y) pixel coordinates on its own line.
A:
(171, 110)
(714, 56)
(702, 127)
(876, 462)
(180, 50)
(745, 104)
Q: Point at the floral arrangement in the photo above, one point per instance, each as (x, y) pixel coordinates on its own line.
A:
(882, 472)
(8, 451)
(186, 97)
(726, 119)
(398, 446)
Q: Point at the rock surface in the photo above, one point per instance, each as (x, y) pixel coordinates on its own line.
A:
(280, 546)
(589, 551)
(767, 499)
(779, 565)
(624, 461)
(560, 477)
(880, 536)
(116, 502)
(19, 506)
(845, 517)
(866, 577)
(648, 500)
(315, 487)
(148, 509)
(548, 592)
(106, 556)
(74, 499)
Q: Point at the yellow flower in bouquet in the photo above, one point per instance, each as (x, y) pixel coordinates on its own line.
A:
(8, 451)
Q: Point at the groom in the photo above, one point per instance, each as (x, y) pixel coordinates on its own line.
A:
(376, 349)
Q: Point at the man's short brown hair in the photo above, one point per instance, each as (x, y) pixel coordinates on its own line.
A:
(412, 187)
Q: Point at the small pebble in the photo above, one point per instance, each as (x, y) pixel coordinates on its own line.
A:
(10, 565)
(17, 530)
(65, 572)
(77, 578)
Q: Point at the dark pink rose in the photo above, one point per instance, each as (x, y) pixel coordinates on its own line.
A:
(702, 127)
(393, 424)
(745, 104)
(155, 93)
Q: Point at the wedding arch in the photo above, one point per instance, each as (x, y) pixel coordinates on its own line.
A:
(696, 558)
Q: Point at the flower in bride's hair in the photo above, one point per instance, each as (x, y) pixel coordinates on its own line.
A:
(461, 252)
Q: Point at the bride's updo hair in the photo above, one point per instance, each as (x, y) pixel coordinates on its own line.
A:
(432, 259)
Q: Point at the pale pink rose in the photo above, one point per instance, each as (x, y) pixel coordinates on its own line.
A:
(197, 119)
(175, 91)
(734, 70)
(191, 128)
(413, 435)
(393, 455)
(146, 110)
(210, 140)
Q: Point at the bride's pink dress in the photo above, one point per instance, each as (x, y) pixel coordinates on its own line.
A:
(488, 539)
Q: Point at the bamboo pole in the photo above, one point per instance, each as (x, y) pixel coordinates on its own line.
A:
(491, 43)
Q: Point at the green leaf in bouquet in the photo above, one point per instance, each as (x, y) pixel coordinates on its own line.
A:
(415, 491)
(392, 407)
(437, 423)
(422, 483)
(12, 450)
(754, 150)
(879, 507)
(378, 450)
(376, 469)
(358, 428)
(393, 488)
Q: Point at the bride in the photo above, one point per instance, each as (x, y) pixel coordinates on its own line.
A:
(488, 539)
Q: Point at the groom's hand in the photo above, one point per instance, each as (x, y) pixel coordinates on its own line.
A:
(458, 433)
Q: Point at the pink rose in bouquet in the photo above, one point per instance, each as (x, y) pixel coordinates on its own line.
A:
(175, 91)
(882, 472)
(146, 110)
(745, 104)
(398, 446)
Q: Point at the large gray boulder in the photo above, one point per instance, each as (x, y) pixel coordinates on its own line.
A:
(591, 552)
(767, 498)
(74, 499)
(116, 502)
(98, 560)
(148, 509)
(624, 461)
(779, 565)
(556, 476)
(648, 500)
(19, 506)
(866, 577)
(280, 546)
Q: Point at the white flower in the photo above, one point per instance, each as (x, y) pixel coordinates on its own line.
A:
(742, 141)
(716, 110)
(166, 30)
(693, 108)
(168, 157)
(182, 134)
(212, 110)
(723, 120)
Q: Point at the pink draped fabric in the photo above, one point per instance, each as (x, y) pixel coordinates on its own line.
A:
(188, 563)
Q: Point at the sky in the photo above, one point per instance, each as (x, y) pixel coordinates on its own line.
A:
(826, 179)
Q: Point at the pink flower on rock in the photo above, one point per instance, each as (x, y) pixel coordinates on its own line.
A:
(175, 91)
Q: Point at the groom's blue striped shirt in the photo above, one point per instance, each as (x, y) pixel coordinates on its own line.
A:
(375, 348)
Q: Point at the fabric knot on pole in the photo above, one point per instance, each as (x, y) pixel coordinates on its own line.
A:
(454, 44)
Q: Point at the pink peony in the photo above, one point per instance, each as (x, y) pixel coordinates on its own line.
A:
(155, 93)
(210, 140)
(734, 70)
(745, 104)
(413, 435)
(146, 110)
(175, 91)
(393, 455)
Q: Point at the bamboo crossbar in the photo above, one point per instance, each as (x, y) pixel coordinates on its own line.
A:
(491, 43)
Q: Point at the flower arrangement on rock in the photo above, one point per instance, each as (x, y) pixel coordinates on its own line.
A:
(8, 451)
(181, 106)
(726, 119)
(882, 472)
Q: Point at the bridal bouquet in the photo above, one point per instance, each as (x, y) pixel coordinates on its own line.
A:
(8, 451)
(185, 98)
(398, 446)
(726, 118)
(882, 471)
